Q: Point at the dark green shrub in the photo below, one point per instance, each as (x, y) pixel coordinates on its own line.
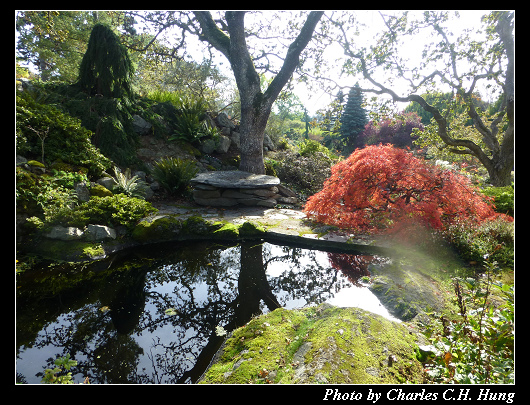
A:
(174, 174)
(106, 68)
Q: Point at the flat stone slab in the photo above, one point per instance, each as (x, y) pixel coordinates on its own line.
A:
(236, 179)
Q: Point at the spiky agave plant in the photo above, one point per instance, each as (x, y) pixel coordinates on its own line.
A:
(132, 186)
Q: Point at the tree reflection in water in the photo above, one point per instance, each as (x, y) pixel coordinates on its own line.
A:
(206, 285)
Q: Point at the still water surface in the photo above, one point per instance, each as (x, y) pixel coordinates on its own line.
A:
(150, 316)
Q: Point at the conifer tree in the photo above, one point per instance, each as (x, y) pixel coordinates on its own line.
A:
(106, 68)
(353, 118)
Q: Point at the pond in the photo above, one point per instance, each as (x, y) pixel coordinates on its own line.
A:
(153, 315)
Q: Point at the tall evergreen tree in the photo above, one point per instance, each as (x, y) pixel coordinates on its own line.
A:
(353, 118)
(106, 68)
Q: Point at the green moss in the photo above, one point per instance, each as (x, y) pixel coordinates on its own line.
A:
(226, 231)
(94, 251)
(249, 229)
(99, 191)
(341, 345)
(71, 251)
(160, 228)
(34, 163)
(197, 226)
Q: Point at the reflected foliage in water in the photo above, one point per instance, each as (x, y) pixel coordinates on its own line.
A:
(150, 316)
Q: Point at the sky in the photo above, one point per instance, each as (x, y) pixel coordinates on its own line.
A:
(315, 99)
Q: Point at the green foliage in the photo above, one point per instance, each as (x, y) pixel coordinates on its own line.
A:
(66, 141)
(115, 136)
(44, 196)
(190, 128)
(479, 347)
(112, 211)
(475, 242)
(503, 198)
(51, 375)
(106, 68)
(174, 174)
(310, 147)
(190, 120)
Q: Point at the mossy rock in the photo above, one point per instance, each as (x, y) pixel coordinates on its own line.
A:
(323, 344)
(251, 230)
(158, 228)
(35, 163)
(70, 251)
(99, 191)
(227, 231)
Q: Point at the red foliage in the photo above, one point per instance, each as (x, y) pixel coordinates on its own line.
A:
(352, 266)
(383, 188)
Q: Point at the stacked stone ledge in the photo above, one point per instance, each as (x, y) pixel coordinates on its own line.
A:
(230, 188)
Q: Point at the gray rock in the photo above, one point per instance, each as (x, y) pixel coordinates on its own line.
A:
(208, 146)
(99, 233)
(236, 179)
(141, 174)
(155, 185)
(206, 194)
(286, 192)
(146, 190)
(287, 200)
(223, 144)
(20, 160)
(267, 142)
(235, 139)
(216, 202)
(62, 233)
(269, 203)
(82, 192)
(106, 182)
(223, 121)
(140, 126)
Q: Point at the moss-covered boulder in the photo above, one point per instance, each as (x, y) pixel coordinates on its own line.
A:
(323, 344)
(157, 228)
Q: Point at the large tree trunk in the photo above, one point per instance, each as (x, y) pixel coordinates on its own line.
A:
(255, 104)
(500, 170)
(252, 130)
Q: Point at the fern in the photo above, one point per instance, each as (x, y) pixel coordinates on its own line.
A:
(174, 174)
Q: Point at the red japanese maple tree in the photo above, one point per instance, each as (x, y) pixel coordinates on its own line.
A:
(381, 188)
